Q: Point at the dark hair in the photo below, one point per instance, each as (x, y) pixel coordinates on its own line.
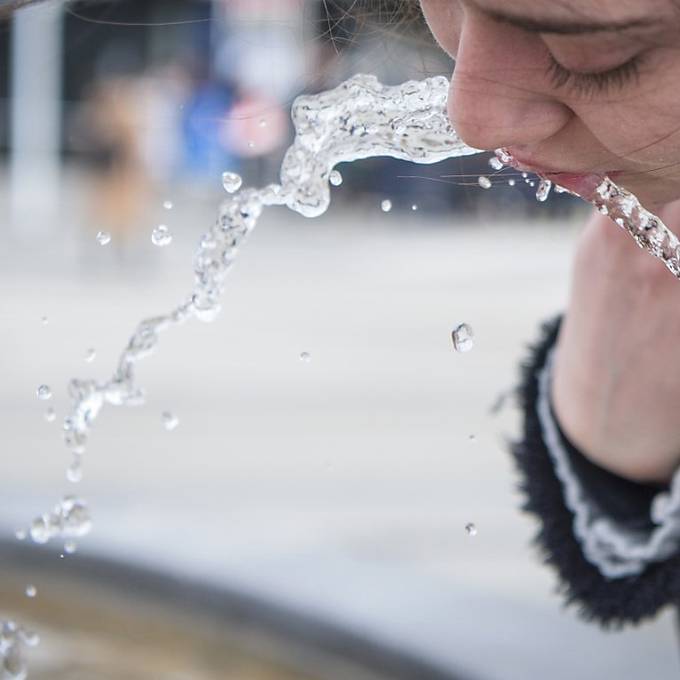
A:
(349, 22)
(402, 15)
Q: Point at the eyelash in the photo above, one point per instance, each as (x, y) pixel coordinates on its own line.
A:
(594, 83)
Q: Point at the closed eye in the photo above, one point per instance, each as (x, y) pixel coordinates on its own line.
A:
(593, 83)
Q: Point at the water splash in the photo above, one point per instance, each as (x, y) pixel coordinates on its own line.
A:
(543, 191)
(70, 518)
(463, 338)
(170, 421)
(231, 182)
(43, 392)
(103, 238)
(649, 232)
(74, 472)
(161, 236)
(13, 641)
(359, 119)
(625, 210)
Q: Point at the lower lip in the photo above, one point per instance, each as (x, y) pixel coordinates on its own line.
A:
(583, 185)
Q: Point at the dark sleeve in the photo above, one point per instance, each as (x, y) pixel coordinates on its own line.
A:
(610, 601)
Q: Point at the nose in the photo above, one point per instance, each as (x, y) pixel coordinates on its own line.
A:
(499, 94)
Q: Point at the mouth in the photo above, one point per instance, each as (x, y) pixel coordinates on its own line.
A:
(581, 183)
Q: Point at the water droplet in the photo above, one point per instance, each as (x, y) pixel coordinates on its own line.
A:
(44, 320)
(471, 529)
(335, 178)
(472, 438)
(44, 392)
(525, 175)
(251, 144)
(262, 122)
(495, 163)
(386, 205)
(168, 205)
(40, 531)
(484, 182)
(161, 236)
(205, 309)
(414, 207)
(305, 357)
(463, 338)
(543, 191)
(90, 355)
(231, 182)
(31, 591)
(103, 238)
(170, 421)
(50, 415)
(74, 472)
(503, 156)
(20, 534)
(70, 547)
(511, 182)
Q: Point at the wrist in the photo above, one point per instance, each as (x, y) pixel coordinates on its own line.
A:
(596, 417)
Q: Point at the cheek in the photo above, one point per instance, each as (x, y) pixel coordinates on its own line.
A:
(444, 18)
(642, 127)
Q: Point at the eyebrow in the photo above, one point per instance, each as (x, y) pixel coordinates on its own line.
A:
(560, 27)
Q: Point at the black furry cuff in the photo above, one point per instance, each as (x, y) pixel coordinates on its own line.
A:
(611, 602)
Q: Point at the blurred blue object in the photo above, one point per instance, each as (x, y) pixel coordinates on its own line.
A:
(205, 113)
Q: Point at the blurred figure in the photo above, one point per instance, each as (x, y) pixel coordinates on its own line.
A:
(122, 185)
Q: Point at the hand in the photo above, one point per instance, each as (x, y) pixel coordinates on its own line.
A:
(616, 383)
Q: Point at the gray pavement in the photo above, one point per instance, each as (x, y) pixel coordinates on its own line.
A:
(341, 486)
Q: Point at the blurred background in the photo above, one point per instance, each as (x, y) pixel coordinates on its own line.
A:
(306, 517)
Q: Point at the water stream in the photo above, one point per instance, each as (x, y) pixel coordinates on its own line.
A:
(359, 119)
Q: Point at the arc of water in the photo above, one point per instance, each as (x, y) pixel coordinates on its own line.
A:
(361, 118)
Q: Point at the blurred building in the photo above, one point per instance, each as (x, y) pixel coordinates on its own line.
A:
(195, 87)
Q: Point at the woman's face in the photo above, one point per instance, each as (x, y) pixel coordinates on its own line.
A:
(574, 86)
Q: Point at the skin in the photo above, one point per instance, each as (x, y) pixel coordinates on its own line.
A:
(615, 391)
